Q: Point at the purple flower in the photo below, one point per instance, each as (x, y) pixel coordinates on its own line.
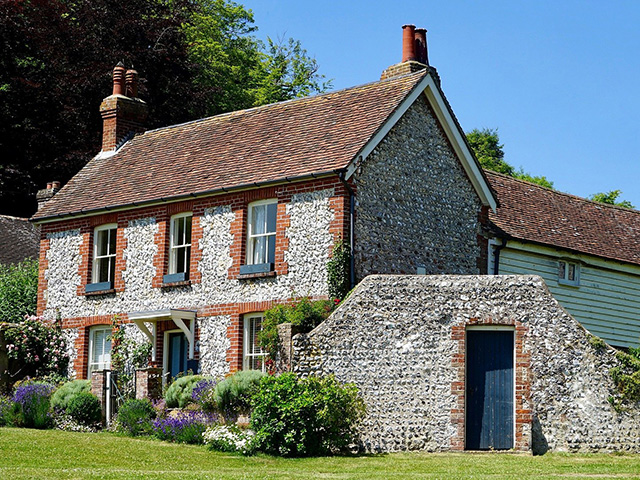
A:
(201, 389)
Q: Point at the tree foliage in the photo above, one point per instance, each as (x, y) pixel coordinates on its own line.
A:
(611, 198)
(18, 290)
(486, 145)
(195, 58)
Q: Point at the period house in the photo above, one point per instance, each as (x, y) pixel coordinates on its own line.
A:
(189, 232)
(588, 254)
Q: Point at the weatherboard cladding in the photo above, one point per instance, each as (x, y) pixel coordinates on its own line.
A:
(265, 144)
(537, 214)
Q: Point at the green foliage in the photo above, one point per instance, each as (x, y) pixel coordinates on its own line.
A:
(36, 348)
(338, 271)
(85, 408)
(314, 416)
(486, 145)
(597, 343)
(31, 407)
(229, 438)
(63, 395)
(302, 313)
(180, 392)
(126, 356)
(611, 198)
(627, 376)
(231, 397)
(7, 417)
(18, 290)
(135, 417)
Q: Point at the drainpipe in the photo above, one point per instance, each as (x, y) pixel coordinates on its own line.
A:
(352, 203)
(496, 255)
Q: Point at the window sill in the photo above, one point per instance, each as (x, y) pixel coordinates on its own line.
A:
(249, 276)
(568, 283)
(100, 292)
(181, 283)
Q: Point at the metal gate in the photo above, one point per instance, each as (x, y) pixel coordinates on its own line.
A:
(490, 390)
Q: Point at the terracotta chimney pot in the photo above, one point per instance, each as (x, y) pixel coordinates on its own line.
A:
(132, 83)
(408, 43)
(118, 79)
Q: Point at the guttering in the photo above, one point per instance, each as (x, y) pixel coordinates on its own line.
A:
(178, 198)
(496, 254)
(352, 264)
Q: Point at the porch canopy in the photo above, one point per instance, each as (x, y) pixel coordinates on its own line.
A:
(179, 316)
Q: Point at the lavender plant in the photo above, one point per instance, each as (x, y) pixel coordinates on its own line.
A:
(31, 405)
(185, 427)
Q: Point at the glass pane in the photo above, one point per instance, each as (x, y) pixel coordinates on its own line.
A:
(101, 242)
(103, 269)
(187, 256)
(271, 250)
(272, 213)
(259, 250)
(180, 256)
(561, 270)
(572, 272)
(256, 326)
(187, 230)
(112, 269)
(257, 219)
(112, 241)
(179, 231)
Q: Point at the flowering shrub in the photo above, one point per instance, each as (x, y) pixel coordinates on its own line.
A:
(135, 417)
(38, 347)
(6, 414)
(31, 405)
(313, 416)
(229, 438)
(231, 397)
(201, 392)
(184, 427)
(179, 393)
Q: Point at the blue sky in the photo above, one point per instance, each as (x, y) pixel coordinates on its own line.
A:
(559, 79)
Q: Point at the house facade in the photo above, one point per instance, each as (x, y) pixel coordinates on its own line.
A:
(588, 254)
(188, 233)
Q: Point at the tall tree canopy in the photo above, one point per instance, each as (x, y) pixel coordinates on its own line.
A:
(486, 145)
(195, 58)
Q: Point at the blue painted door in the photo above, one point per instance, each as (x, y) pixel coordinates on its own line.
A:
(490, 393)
(178, 350)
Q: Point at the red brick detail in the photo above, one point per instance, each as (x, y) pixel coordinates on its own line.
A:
(161, 239)
(238, 232)
(86, 255)
(283, 222)
(121, 264)
(195, 276)
(523, 412)
(43, 263)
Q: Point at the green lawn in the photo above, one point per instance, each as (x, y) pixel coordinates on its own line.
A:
(53, 454)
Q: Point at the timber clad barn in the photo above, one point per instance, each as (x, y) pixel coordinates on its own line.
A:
(189, 233)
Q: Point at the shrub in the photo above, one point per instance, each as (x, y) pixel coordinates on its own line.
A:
(184, 427)
(232, 396)
(6, 411)
(302, 312)
(627, 375)
(339, 271)
(135, 417)
(18, 290)
(202, 394)
(85, 408)
(63, 395)
(229, 438)
(31, 405)
(314, 416)
(38, 347)
(179, 393)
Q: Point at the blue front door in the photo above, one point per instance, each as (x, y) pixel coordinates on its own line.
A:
(178, 350)
(490, 390)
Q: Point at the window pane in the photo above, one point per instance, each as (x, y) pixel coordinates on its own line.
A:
(112, 242)
(101, 242)
(259, 247)
(271, 257)
(572, 272)
(561, 270)
(180, 256)
(187, 256)
(272, 211)
(179, 231)
(257, 219)
(187, 230)
(103, 269)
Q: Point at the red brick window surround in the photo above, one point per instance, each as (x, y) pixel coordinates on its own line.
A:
(523, 413)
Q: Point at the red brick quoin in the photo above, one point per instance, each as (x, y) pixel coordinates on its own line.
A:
(523, 413)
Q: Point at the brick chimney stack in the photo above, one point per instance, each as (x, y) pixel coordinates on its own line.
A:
(414, 53)
(46, 194)
(123, 113)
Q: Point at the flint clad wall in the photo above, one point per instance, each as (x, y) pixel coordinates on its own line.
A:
(415, 204)
(310, 217)
(401, 340)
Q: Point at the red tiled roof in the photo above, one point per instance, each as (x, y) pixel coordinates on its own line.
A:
(283, 140)
(537, 214)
